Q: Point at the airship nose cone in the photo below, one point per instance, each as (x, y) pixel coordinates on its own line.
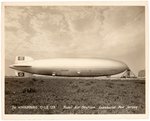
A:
(123, 66)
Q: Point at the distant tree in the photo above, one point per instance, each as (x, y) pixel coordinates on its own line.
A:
(141, 73)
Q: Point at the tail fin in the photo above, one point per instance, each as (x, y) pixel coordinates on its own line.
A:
(20, 73)
(20, 59)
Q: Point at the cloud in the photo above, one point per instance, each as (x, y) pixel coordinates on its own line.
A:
(86, 31)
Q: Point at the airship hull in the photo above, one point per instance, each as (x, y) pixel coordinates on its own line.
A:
(72, 67)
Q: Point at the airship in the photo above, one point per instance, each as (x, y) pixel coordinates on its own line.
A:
(73, 67)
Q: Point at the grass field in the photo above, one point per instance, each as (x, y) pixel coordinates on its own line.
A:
(66, 95)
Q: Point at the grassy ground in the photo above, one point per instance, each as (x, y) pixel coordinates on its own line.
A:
(60, 95)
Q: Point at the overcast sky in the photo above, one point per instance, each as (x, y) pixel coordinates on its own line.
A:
(87, 31)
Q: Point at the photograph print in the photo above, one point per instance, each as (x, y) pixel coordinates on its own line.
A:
(74, 59)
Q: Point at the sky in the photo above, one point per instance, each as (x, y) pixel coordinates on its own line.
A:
(42, 32)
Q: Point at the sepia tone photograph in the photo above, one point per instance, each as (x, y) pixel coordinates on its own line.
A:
(74, 59)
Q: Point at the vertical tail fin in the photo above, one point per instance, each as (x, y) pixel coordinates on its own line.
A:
(19, 73)
(20, 59)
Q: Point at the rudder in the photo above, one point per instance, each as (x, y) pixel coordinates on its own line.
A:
(20, 59)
